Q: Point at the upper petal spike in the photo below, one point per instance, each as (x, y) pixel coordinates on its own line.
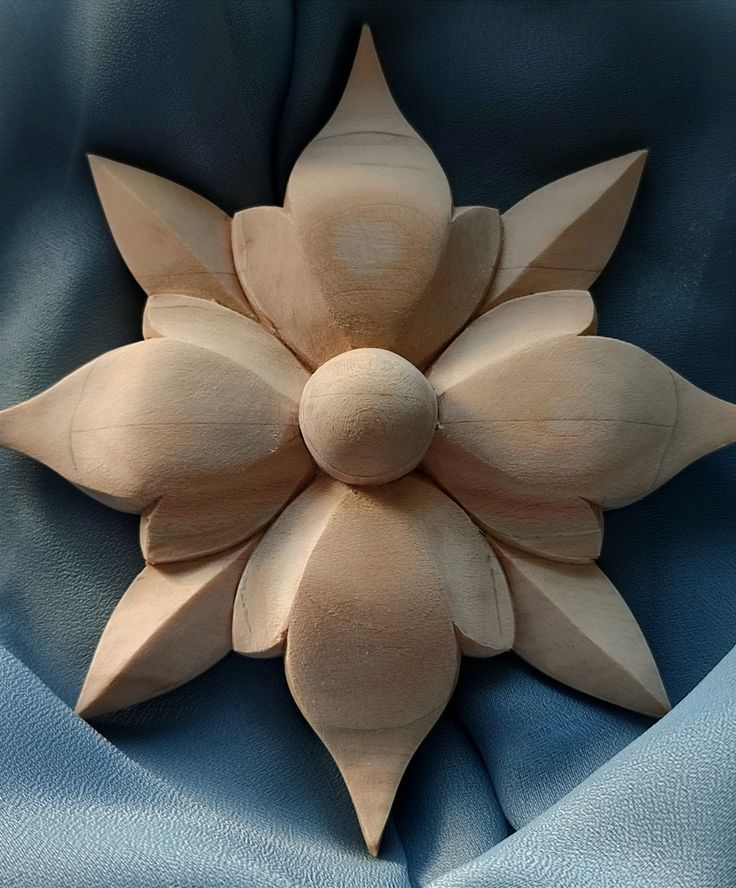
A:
(172, 240)
(562, 235)
(367, 242)
(574, 626)
(367, 99)
(172, 624)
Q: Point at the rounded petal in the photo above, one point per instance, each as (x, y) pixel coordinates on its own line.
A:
(172, 624)
(573, 625)
(563, 234)
(364, 584)
(225, 333)
(192, 523)
(172, 240)
(508, 329)
(367, 251)
(584, 417)
(161, 418)
(562, 528)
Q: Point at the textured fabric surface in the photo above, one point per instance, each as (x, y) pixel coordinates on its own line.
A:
(222, 782)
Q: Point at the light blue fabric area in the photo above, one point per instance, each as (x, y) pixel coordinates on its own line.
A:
(660, 814)
(222, 782)
(77, 813)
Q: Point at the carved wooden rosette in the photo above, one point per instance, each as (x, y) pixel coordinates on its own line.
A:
(369, 433)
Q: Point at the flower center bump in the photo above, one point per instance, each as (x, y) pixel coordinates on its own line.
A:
(367, 416)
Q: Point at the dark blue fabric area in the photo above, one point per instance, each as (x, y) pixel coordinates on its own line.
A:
(222, 782)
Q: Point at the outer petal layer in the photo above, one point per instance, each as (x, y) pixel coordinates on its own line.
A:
(563, 234)
(587, 417)
(172, 624)
(172, 240)
(368, 582)
(166, 418)
(367, 251)
(573, 625)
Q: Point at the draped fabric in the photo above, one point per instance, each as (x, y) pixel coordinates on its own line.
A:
(523, 782)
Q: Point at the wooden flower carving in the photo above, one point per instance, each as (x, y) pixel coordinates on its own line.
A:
(354, 440)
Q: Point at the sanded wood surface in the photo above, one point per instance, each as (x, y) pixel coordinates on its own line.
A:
(368, 250)
(363, 586)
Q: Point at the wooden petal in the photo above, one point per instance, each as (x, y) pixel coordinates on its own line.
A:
(367, 252)
(573, 625)
(155, 418)
(563, 529)
(509, 328)
(172, 240)
(172, 624)
(226, 333)
(584, 417)
(562, 236)
(368, 582)
(193, 523)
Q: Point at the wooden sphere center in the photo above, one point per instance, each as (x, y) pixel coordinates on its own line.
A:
(367, 416)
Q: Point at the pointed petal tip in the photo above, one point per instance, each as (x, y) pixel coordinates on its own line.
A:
(372, 793)
(91, 704)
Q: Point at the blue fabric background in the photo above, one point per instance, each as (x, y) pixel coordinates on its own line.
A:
(221, 783)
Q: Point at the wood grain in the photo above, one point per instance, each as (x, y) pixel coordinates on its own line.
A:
(367, 416)
(167, 419)
(585, 416)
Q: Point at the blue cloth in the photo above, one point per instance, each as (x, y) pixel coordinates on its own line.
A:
(222, 782)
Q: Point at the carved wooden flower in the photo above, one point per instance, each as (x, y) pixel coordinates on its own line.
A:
(385, 451)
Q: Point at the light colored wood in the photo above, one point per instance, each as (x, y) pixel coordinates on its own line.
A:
(172, 624)
(172, 240)
(573, 625)
(585, 417)
(367, 416)
(367, 251)
(509, 329)
(363, 585)
(553, 524)
(167, 419)
(560, 528)
(562, 236)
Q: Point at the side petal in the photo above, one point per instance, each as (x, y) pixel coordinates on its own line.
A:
(586, 417)
(363, 585)
(509, 328)
(562, 528)
(172, 624)
(367, 251)
(172, 240)
(573, 625)
(153, 419)
(193, 523)
(226, 333)
(562, 235)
